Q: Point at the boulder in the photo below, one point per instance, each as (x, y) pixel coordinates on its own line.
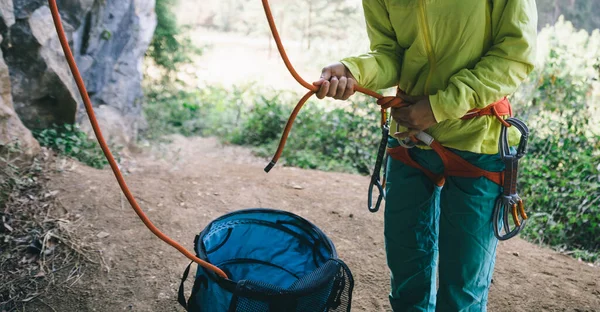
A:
(12, 131)
(109, 39)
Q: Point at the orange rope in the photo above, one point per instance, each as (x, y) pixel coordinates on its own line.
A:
(113, 164)
(384, 101)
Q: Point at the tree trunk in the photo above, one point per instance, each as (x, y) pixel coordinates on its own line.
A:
(310, 9)
(556, 11)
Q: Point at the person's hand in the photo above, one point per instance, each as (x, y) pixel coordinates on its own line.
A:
(417, 116)
(336, 81)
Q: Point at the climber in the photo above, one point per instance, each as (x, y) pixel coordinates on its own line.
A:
(446, 57)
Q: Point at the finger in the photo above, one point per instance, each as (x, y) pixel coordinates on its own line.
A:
(402, 121)
(406, 98)
(349, 89)
(410, 99)
(333, 87)
(401, 113)
(319, 82)
(406, 134)
(326, 73)
(405, 124)
(341, 88)
(323, 90)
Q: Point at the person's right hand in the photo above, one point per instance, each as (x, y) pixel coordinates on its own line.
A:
(336, 81)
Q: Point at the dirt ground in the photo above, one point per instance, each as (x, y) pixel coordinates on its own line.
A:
(187, 184)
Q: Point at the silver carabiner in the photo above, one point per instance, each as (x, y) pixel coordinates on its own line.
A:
(376, 177)
(505, 206)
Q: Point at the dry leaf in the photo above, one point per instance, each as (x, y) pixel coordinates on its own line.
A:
(8, 227)
(50, 194)
(40, 274)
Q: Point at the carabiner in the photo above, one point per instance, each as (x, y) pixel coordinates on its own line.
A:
(505, 206)
(376, 177)
(504, 146)
(406, 142)
(379, 198)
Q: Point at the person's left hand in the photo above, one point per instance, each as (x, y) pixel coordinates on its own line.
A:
(417, 116)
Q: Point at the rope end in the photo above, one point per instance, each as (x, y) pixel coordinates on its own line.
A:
(269, 166)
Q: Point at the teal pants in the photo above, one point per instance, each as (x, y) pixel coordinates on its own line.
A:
(450, 228)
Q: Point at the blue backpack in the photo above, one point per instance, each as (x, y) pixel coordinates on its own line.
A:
(275, 260)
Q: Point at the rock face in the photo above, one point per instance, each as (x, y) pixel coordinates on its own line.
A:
(108, 38)
(12, 130)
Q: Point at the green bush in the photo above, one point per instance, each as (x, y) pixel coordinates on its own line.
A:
(341, 139)
(70, 141)
(338, 139)
(561, 174)
(209, 111)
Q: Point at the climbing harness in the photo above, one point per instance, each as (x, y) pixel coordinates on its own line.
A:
(454, 165)
(509, 203)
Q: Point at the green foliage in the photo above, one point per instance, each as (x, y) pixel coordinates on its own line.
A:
(106, 34)
(561, 174)
(169, 46)
(70, 141)
(583, 13)
(339, 139)
(209, 111)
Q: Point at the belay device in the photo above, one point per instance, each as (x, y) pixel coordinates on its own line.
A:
(275, 260)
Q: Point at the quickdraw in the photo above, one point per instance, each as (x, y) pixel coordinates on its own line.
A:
(510, 202)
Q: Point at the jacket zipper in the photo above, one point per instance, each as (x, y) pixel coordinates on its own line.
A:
(428, 47)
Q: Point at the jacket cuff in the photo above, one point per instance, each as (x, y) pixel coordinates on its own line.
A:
(353, 68)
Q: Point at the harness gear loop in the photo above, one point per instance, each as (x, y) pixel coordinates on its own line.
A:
(113, 164)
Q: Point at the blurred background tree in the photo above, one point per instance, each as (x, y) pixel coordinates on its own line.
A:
(584, 14)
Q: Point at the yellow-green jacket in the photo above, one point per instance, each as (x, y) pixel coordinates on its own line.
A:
(464, 54)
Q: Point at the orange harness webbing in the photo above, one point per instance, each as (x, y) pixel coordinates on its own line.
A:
(455, 165)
